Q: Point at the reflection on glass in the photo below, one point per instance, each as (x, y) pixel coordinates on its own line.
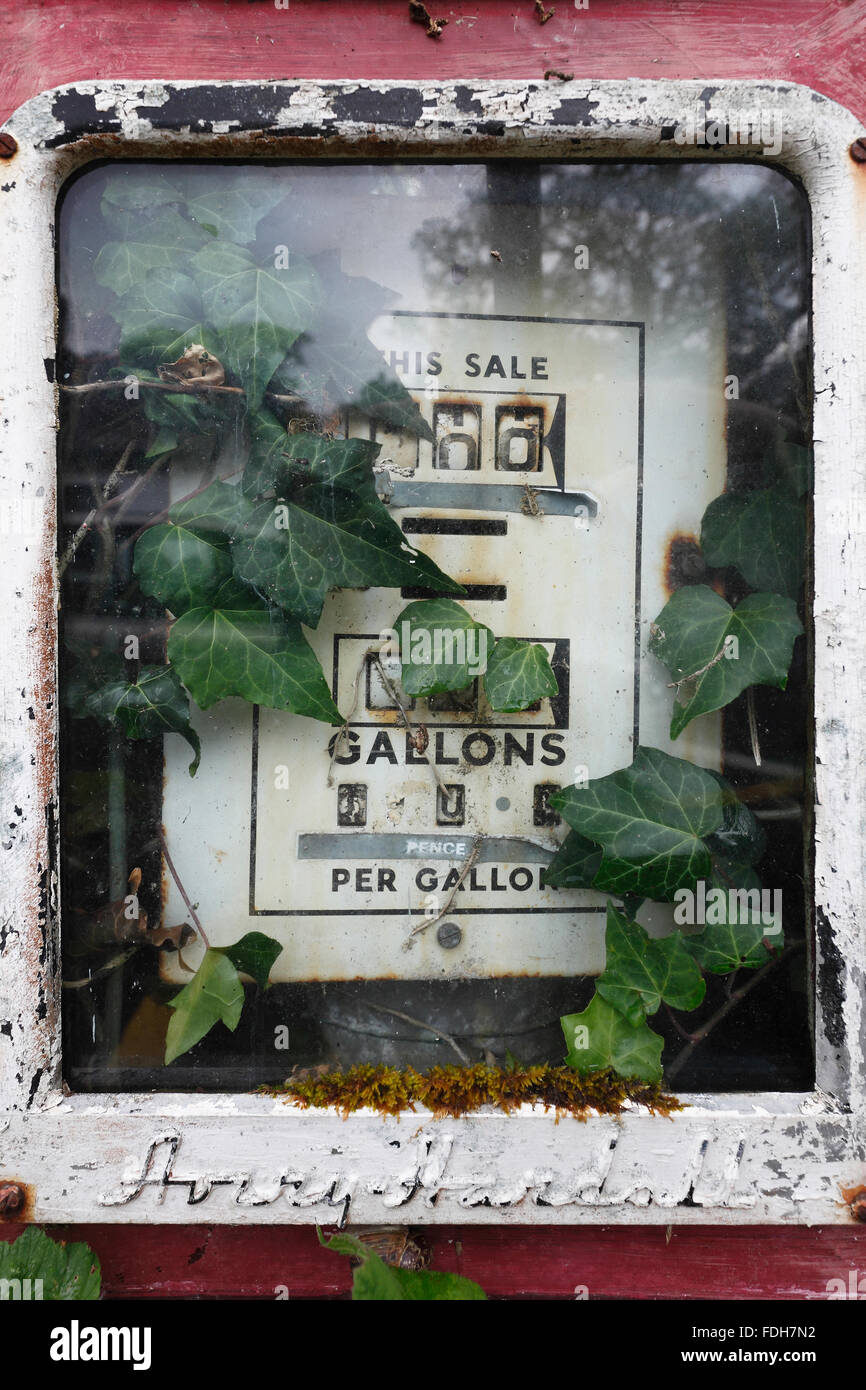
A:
(537, 435)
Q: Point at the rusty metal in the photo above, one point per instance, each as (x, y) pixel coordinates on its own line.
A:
(8, 145)
(857, 151)
(12, 1198)
(683, 562)
(855, 1198)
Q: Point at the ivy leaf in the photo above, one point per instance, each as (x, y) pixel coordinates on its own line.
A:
(441, 646)
(180, 566)
(762, 534)
(340, 463)
(232, 207)
(731, 939)
(69, 1272)
(162, 239)
(254, 955)
(641, 971)
(720, 649)
(155, 704)
(336, 366)
(322, 538)
(220, 510)
(236, 645)
(518, 673)
(127, 190)
(160, 317)
(214, 994)
(574, 865)
(600, 1037)
(651, 820)
(740, 837)
(375, 1281)
(279, 460)
(257, 311)
(184, 561)
(268, 442)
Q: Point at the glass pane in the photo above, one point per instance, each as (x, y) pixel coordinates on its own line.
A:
(454, 517)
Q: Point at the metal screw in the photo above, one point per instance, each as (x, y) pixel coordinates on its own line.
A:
(8, 145)
(11, 1197)
(858, 1208)
(858, 150)
(449, 935)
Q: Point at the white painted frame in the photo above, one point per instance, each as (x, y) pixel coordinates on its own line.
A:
(243, 1159)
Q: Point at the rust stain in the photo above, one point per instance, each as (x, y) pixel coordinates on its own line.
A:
(855, 1200)
(39, 706)
(22, 1214)
(683, 562)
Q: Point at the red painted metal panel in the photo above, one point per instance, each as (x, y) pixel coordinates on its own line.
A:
(821, 43)
(522, 1262)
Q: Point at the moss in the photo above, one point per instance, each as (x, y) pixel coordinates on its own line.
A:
(459, 1090)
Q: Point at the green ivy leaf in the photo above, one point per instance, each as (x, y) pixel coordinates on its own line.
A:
(279, 460)
(600, 1037)
(575, 864)
(220, 510)
(730, 940)
(441, 646)
(179, 566)
(762, 534)
(651, 820)
(257, 311)
(236, 645)
(160, 317)
(268, 442)
(336, 366)
(162, 239)
(640, 972)
(70, 1272)
(127, 190)
(518, 673)
(184, 561)
(254, 955)
(374, 1281)
(718, 651)
(346, 464)
(232, 206)
(155, 704)
(214, 994)
(321, 538)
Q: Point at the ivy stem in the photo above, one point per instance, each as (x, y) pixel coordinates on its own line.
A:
(687, 1037)
(731, 1003)
(181, 389)
(428, 1028)
(176, 876)
(395, 696)
(467, 865)
(112, 482)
